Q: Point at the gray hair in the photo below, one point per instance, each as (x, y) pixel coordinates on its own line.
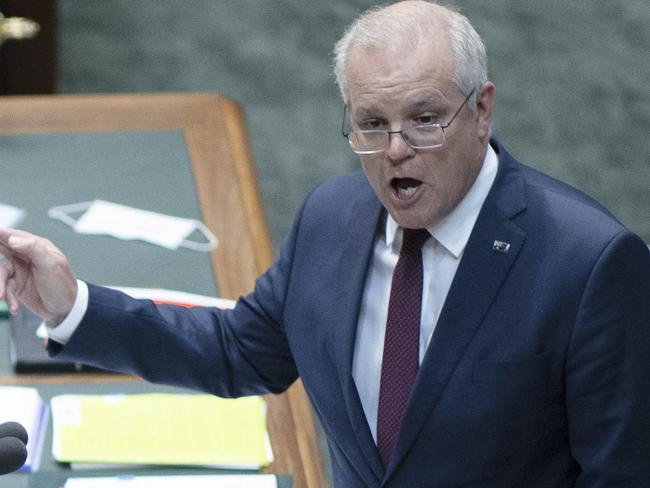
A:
(380, 27)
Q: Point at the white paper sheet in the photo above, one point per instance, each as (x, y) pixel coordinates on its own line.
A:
(195, 481)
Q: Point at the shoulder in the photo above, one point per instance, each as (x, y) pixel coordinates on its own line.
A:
(558, 209)
(349, 187)
(333, 211)
(336, 197)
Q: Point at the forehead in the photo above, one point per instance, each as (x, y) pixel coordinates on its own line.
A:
(401, 74)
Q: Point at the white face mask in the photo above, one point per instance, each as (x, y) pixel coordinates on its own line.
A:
(128, 223)
(10, 216)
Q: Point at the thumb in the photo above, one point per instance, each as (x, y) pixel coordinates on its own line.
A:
(38, 251)
(16, 243)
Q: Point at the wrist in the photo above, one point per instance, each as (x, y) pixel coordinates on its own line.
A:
(62, 330)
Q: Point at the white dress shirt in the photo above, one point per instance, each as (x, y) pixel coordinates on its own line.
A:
(62, 332)
(440, 258)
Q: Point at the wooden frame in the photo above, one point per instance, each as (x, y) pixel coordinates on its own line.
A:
(218, 147)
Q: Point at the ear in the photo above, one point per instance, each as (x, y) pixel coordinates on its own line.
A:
(484, 106)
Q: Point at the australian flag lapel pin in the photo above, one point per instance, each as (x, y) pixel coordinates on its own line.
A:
(500, 246)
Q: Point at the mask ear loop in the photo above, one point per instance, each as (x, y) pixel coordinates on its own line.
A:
(212, 243)
(61, 212)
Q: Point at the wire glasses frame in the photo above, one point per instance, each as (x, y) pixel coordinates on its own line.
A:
(430, 131)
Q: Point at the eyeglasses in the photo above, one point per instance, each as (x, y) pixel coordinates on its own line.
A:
(423, 136)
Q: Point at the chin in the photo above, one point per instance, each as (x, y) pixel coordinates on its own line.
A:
(411, 221)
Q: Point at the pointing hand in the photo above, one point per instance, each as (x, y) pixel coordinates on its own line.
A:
(36, 273)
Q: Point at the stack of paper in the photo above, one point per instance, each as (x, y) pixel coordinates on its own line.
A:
(25, 406)
(194, 481)
(160, 429)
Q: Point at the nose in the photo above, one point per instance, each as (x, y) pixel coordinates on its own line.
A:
(398, 150)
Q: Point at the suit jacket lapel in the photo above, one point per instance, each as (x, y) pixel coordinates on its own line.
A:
(480, 274)
(358, 247)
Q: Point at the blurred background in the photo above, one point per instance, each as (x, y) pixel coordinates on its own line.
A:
(573, 96)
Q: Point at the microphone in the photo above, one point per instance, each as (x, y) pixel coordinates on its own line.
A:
(13, 454)
(13, 429)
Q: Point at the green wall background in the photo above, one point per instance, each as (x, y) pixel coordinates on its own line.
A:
(573, 96)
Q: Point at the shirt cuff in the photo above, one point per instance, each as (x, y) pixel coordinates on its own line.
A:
(62, 332)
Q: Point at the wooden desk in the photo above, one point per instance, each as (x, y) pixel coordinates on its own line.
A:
(217, 142)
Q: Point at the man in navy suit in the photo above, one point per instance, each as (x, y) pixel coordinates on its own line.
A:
(531, 349)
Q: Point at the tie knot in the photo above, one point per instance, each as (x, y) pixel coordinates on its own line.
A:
(413, 240)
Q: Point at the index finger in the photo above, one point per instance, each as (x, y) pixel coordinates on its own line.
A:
(7, 232)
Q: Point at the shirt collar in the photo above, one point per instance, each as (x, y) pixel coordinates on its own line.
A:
(454, 230)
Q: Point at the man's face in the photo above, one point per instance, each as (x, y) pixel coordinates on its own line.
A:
(390, 89)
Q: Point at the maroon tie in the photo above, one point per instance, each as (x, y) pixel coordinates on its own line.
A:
(401, 345)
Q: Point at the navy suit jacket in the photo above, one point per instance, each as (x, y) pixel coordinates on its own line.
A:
(537, 374)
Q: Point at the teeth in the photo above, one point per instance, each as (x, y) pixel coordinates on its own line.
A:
(407, 192)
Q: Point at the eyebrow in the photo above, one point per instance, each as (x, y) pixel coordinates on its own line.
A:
(362, 113)
(433, 102)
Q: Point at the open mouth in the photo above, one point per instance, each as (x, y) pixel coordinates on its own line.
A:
(405, 187)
